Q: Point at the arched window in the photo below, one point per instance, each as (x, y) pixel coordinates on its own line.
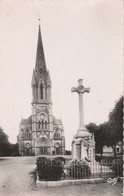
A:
(42, 121)
(27, 134)
(57, 134)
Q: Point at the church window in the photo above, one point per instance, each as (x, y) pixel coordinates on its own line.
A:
(42, 124)
(45, 124)
(41, 90)
(39, 124)
(57, 134)
(42, 121)
(27, 134)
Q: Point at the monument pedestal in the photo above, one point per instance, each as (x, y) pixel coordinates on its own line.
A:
(83, 145)
(76, 149)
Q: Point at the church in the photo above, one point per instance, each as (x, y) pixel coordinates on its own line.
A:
(41, 133)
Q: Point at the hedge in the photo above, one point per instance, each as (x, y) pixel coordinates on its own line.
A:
(49, 169)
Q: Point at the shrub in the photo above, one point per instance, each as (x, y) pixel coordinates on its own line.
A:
(68, 152)
(79, 169)
(49, 169)
(99, 158)
(61, 159)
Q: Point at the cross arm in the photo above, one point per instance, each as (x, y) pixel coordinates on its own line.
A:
(80, 89)
(74, 89)
(87, 90)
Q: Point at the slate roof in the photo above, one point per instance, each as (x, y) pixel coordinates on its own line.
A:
(27, 121)
(57, 121)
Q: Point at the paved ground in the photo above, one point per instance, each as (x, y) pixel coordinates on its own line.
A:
(16, 179)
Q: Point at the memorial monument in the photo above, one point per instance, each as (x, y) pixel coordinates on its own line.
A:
(83, 145)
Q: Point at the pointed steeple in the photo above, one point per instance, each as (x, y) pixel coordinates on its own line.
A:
(41, 82)
(48, 79)
(40, 58)
(33, 82)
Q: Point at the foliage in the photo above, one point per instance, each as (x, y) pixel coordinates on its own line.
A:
(115, 123)
(117, 167)
(14, 150)
(68, 152)
(111, 132)
(5, 146)
(99, 158)
(61, 159)
(99, 135)
(92, 127)
(79, 169)
(49, 169)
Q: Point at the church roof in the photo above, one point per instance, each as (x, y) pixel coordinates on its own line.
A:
(57, 121)
(27, 121)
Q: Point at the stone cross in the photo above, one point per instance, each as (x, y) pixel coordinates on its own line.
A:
(80, 90)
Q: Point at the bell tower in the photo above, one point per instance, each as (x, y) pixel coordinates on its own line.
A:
(41, 133)
(41, 94)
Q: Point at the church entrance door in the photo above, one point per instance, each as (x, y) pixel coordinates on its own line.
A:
(57, 150)
(43, 151)
(44, 146)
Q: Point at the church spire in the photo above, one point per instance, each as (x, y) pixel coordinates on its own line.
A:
(33, 78)
(40, 58)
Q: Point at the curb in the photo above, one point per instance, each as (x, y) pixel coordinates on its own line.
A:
(41, 184)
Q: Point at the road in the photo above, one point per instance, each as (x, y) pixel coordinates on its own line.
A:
(16, 176)
(17, 179)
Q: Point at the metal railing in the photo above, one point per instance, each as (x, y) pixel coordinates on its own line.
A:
(82, 170)
(93, 169)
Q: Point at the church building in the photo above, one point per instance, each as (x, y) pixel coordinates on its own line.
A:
(41, 133)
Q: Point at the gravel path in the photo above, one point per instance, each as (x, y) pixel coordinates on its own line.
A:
(16, 176)
(17, 179)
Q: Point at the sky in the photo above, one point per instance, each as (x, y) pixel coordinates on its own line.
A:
(81, 39)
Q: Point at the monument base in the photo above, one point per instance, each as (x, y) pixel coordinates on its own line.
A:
(83, 145)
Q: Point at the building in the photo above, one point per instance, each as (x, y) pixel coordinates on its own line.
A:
(119, 148)
(41, 133)
(107, 150)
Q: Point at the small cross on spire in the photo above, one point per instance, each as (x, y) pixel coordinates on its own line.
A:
(39, 20)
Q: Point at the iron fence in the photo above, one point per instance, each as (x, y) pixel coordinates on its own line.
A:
(82, 169)
(93, 169)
